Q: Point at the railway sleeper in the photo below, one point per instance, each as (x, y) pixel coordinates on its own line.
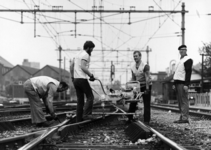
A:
(6, 126)
(137, 131)
(68, 146)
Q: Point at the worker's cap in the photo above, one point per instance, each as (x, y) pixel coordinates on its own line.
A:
(63, 86)
(182, 47)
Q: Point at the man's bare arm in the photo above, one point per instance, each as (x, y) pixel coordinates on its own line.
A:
(147, 76)
(133, 76)
(50, 96)
(72, 69)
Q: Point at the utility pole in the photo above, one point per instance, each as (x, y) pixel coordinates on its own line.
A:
(70, 81)
(183, 23)
(147, 51)
(60, 70)
(64, 78)
(112, 75)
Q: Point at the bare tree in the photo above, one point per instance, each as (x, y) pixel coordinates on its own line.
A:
(206, 51)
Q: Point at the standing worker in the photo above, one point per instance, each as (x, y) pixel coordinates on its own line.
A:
(141, 72)
(182, 78)
(79, 72)
(45, 88)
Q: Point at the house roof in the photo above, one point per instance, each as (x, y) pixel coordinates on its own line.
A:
(56, 69)
(29, 69)
(5, 62)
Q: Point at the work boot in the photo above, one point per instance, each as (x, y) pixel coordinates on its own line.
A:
(45, 124)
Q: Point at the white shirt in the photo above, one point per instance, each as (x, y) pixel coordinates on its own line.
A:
(180, 69)
(78, 72)
(40, 83)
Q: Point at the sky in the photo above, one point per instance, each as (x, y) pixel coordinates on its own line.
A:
(159, 31)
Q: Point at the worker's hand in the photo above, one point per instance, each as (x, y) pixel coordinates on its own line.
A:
(146, 91)
(92, 78)
(54, 116)
(185, 88)
(173, 87)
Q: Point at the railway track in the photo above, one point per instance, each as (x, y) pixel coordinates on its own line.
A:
(15, 124)
(106, 131)
(55, 103)
(192, 108)
(22, 137)
(199, 112)
(19, 113)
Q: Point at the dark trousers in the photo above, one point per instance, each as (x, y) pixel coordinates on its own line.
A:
(147, 107)
(82, 87)
(182, 97)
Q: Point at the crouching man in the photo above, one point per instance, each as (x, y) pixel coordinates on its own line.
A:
(45, 88)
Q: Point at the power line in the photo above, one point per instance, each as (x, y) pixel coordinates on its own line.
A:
(166, 14)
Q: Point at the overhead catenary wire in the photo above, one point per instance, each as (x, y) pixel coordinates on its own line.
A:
(46, 19)
(160, 26)
(47, 30)
(104, 42)
(103, 20)
(165, 13)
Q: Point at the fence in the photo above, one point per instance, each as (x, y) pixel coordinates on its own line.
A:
(201, 99)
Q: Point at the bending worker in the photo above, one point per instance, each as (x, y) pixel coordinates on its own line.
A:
(141, 72)
(45, 88)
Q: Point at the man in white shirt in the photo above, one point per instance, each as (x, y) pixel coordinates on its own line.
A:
(80, 73)
(45, 88)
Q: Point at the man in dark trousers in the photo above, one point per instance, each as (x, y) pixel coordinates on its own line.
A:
(141, 72)
(182, 78)
(45, 88)
(80, 72)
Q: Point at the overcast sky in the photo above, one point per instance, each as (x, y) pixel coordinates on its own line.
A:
(161, 32)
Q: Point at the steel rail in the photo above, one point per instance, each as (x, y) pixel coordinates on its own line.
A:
(177, 110)
(100, 113)
(82, 122)
(49, 131)
(190, 107)
(64, 130)
(4, 140)
(52, 130)
(166, 140)
(28, 118)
